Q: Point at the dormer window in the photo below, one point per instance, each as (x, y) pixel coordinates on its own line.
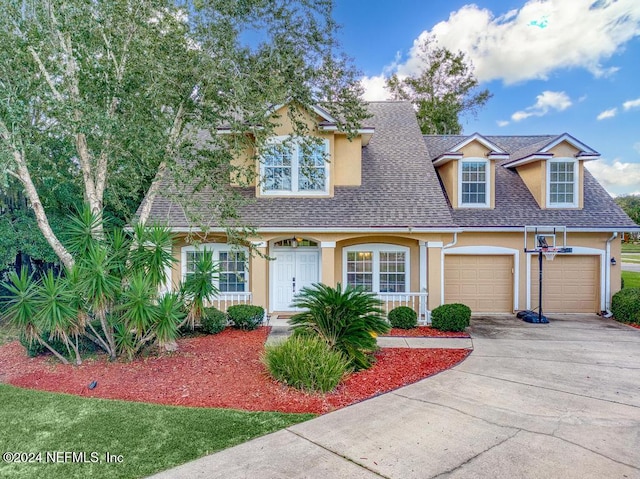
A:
(473, 187)
(562, 183)
(295, 166)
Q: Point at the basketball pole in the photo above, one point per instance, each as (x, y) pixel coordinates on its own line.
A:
(540, 287)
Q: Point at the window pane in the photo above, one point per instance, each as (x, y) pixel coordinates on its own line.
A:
(360, 269)
(277, 168)
(311, 167)
(233, 271)
(474, 180)
(392, 272)
(561, 181)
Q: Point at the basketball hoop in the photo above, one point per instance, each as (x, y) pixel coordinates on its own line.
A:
(549, 253)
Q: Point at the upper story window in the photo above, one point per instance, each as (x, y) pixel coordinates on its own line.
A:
(562, 183)
(377, 268)
(295, 166)
(233, 265)
(473, 187)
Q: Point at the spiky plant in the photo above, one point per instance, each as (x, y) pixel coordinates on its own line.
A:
(21, 306)
(199, 287)
(347, 320)
(151, 252)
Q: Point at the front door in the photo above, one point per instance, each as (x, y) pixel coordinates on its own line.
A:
(292, 270)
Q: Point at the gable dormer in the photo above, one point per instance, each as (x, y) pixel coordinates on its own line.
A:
(554, 173)
(468, 170)
(305, 166)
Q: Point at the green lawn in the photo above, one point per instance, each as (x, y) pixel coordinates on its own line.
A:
(630, 248)
(150, 438)
(631, 279)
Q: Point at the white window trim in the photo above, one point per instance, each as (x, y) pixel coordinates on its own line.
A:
(575, 183)
(295, 168)
(376, 248)
(487, 203)
(216, 249)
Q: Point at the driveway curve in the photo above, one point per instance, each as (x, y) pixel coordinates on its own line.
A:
(560, 400)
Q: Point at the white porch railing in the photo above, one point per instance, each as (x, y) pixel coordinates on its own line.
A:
(415, 301)
(224, 300)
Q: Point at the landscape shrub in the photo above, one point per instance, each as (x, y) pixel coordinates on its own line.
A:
(245, 316)
(451, 317)
(403, 317)
(306, 363)
(625, 305)
(347, 320)
(35, 348)
(213, 321)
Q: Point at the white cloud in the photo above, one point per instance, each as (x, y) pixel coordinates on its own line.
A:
(536, 39)
(374, 88)
(545, 102)
(616, 176)
(636, 146)
(502, 123)
(608, 114)
(628, 105)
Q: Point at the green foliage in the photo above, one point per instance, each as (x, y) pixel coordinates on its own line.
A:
(443, 90)
(630, 204)
(151, 438)
(625, 305)
(451, 317)
(213, 321)
(245, 316)
(347, 320)
(199, 286)
(403, 317)
(306, 363)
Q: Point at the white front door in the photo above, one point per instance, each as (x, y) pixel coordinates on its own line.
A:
(292, 271)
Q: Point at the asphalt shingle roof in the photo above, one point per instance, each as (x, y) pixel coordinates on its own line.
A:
(400, 188)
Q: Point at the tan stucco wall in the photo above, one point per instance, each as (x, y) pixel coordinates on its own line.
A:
(565, 150)
(474, 149)
(449, 176)
(347, 161)
(533, 175)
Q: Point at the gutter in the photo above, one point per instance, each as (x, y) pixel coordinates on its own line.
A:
(607, 275)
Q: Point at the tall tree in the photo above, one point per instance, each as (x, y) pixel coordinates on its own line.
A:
(630, 204)
(109, 95)
(443, 90)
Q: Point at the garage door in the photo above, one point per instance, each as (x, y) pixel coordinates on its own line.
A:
(484, 283)
(571, 284)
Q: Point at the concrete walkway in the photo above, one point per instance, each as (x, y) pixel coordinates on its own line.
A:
(560, 400)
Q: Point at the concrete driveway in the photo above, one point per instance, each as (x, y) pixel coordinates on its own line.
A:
(532, 401)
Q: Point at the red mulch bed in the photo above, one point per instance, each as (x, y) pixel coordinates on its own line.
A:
(426, 332)
(222, 370)
(633, 325)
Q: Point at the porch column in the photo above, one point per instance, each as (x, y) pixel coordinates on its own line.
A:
(328, 263)
(423, 266)
(435, 272)
(259, 276)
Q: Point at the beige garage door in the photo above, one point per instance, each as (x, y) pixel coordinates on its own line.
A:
(571, 284)
(484, 282)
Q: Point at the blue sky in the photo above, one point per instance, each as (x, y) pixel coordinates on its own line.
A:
(553, 66)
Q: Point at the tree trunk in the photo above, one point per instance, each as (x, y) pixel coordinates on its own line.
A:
(55, 353)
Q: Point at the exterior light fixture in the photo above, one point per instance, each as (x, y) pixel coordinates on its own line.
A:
(613, 261)
(294, 242)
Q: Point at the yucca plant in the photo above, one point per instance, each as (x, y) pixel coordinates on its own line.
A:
(347, 320)
(151, 252)
(170, 314)
(55, 312)
(21, 306)
(199, 287)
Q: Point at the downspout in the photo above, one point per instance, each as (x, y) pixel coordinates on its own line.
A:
(607, 275)
(448, 245)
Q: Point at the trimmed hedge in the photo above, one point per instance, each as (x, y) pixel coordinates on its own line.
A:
(245, 316)
(451, 317)
(306, 363)
(213, 321)
(625, 305)
(403, 317)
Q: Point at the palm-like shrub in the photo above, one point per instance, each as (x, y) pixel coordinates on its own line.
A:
(346, 320)
(199, 287)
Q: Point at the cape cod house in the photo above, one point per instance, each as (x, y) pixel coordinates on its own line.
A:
(419, 220)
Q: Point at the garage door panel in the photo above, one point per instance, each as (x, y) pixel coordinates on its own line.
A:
(571, 284)
(483, 282)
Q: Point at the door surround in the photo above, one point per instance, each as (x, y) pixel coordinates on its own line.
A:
(273, 251)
